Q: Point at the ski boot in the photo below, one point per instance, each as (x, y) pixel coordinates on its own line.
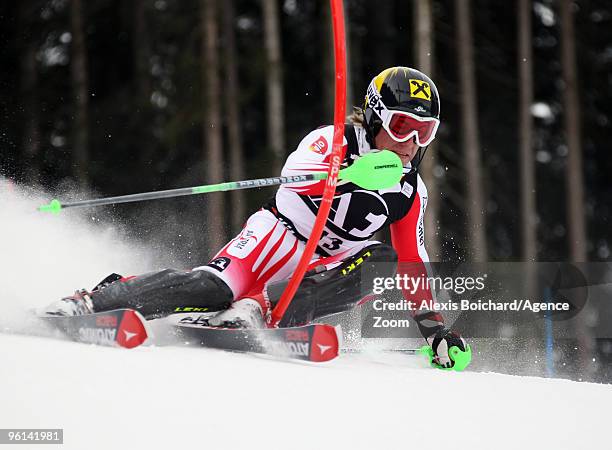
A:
(76, 305)
(80, 303)
(243, 313)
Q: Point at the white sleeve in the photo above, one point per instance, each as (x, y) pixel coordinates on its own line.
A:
(312, 155)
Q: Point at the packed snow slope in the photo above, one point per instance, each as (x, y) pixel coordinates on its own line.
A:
(177, 398)
(162, 398)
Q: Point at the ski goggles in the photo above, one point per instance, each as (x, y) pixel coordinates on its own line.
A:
(402, 125)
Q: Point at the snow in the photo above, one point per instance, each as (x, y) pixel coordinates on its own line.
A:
(160, 397)
(164, 397)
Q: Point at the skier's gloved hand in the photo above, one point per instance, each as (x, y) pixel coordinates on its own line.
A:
(441, 343)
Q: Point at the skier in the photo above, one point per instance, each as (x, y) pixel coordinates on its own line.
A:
(243, 282)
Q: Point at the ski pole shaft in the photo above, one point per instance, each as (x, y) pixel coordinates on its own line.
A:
(406, 351)
(377, 170)
(55, 206)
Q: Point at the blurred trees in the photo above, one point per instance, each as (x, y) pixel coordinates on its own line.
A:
(79, 76)
(146, 81)
(30, 154)
(526, 156)
(212, 156)
(142, 54)
(424, 57)
(571, 113)
(275, 104)
(142, 80)
(232, 115)
(475, 208)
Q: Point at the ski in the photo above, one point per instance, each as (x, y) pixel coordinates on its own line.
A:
(117, 328)
(315, 342)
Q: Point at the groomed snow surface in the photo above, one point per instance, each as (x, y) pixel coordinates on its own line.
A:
(161, 398)
(180, 398)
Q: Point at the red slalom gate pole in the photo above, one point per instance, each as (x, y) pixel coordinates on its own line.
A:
(334, 166)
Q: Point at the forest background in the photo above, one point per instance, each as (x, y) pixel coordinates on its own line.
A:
(109, 97)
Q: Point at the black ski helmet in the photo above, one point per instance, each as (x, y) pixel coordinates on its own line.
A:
(402, 89)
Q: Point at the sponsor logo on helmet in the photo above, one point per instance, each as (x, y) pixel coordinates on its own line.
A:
(420, 89)
(420, 109)
(374, 99)
(319, 146)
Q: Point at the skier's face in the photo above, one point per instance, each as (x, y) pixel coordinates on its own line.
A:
(405, 150)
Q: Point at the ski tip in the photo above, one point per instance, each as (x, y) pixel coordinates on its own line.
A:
(325, 344)
(132, 330)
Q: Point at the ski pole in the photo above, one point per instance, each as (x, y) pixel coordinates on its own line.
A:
(405, 351)
(461, 358)
(373, 171)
